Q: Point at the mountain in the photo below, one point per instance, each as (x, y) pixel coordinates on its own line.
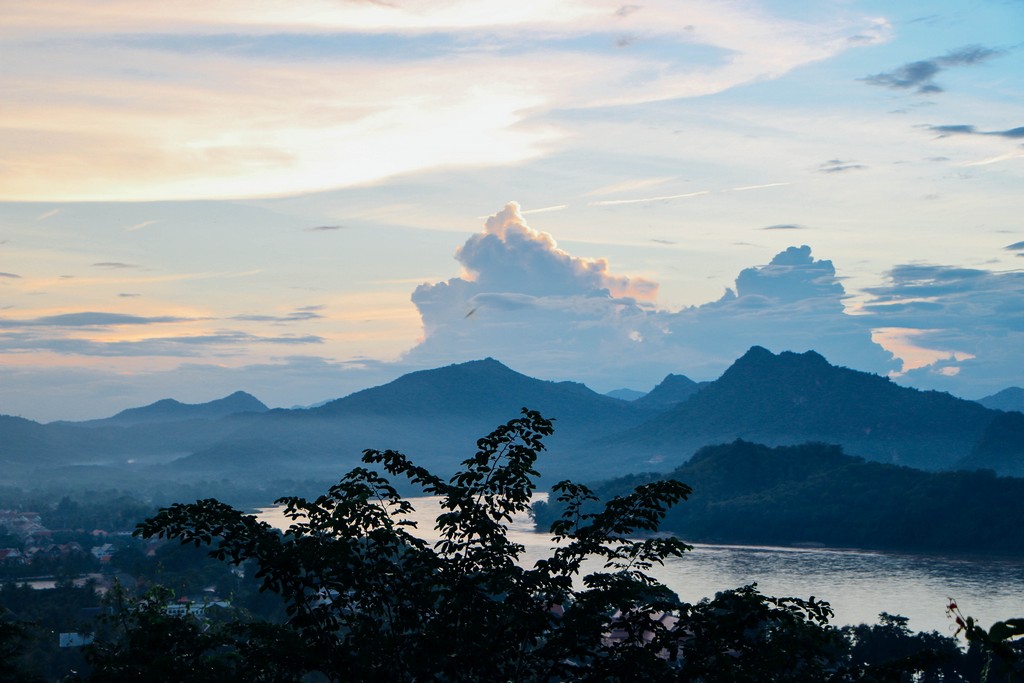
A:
(484, 392)
(436, 416)
(625, 394)
(814, 494)
(673, 389)
(472, 388)
(169, 410)
(1007, 399)
(792, 398)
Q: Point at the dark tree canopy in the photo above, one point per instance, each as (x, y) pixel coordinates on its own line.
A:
(366, 599)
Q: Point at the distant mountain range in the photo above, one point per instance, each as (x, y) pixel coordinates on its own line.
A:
(169, 410)
(1007, 399)
(435, 416)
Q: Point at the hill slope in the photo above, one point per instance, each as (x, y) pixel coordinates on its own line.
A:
(792, 398)
(814, 494)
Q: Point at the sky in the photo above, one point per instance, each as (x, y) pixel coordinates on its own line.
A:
(301, 199)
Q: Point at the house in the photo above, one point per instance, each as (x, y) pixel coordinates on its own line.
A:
(104, 552)
(12, 556)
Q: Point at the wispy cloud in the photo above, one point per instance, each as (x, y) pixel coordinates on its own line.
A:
(745, 188)
(546, 209)
(117, 265)
(10, 275)
(327, 228)
(1007, 156)
(630, 186)
(139, 226)
(298, 315)
(172, 346)
(963, 129)
(839, 166)
(920, 75)
(642, 200)
(90, 319)
(226, 105)
(784, 226)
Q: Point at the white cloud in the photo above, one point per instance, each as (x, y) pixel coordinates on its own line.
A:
(544, 311)
(147, 101)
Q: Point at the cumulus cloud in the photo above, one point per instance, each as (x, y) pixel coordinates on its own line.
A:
(546, 312)
(510, 257)
(920, 75)
(795, 302)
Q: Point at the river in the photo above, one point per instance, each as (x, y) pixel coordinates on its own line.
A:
(858, 584)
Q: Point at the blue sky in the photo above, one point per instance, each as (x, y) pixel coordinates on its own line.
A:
(302, 199)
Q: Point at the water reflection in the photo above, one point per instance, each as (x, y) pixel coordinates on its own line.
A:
(859, 584)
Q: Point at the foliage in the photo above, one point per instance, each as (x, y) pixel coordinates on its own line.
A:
(13, 637)
(1002, 644)
(140, 641)
(373, 601)
(889, 651)
(742, 635)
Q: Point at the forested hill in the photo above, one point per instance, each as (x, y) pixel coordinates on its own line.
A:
(747, 493)
(791, 398)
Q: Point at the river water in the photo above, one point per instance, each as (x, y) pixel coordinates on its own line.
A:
(858, 584)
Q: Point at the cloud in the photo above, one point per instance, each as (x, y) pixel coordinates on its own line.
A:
(232, 101)
(326, 228)
(784, 226)
(962, 129)
(115, 265)
(839, 166)
(182, 346)
(10, 275)
(970, 319)
(298, 315)
(510, 256)
(920, 75)
(547, 312)
(644, 200)
(795, 302)
(90, 319)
